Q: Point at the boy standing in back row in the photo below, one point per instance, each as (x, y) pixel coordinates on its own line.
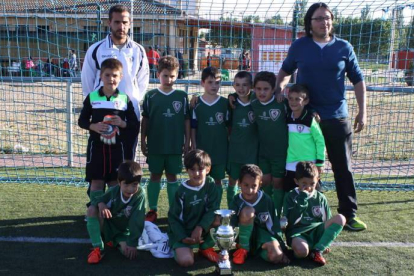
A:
(273, 137)
(209, 124)
(165, 132)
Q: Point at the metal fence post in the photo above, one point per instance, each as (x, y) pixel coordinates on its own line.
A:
(69, 122)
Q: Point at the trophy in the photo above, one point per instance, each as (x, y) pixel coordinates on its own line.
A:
(224, 238)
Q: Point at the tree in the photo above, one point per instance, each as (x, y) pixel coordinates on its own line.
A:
(371, 36)
(251, 19)
(365, 13)
(276, 19)
(409, 32)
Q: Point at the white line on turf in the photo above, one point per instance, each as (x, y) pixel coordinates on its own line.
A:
(87, 241)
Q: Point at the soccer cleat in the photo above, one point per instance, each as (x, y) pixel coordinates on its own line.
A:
(151, 216)
(110, 244)
(210, 254)
(95, 256)
(317, 257)
(355, 224)
(239, 256)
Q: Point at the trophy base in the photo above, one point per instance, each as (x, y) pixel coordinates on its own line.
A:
(223, 271)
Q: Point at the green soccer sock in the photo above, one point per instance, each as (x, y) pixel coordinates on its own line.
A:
(172, 188)
(245, 232)
(328, 236)
(93, 196)
(278, 196)
(94, 231)
(231, 192)
(153, 192)
(220, 192)
(268, 189)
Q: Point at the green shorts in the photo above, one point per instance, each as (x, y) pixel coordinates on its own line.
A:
(218, 171)
(171, 163)
(233, 169)
(311, 237)
(275, 167)
(113, 234)
(259, 237)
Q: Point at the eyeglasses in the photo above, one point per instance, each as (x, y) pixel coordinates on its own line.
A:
(321, 18)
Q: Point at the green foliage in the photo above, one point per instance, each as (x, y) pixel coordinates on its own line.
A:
(409, 32)
(368, 36)
(276, 19)
(252, 19)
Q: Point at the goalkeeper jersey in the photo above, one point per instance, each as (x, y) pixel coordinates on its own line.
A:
(96, 106)
(264, 210)
(210, 121)
(272, 128)
(127, 215)
(166, 114)
(192, 206)
(306, 141)
(244, 142)
(304, 212)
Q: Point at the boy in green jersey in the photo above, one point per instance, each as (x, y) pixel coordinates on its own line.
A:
(243, 143)
(118, 214)
(258, 225)
(209, 124)
(165, 132)
(310, 226)
(191, 214)
(270, 117)
(306, 141)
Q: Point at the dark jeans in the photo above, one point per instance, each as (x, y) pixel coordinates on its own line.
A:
(338, 141)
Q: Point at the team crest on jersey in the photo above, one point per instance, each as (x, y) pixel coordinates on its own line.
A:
(263, 217)
(220, 117)
(300, 128)
(196, 200)
(317, 211)
(250, 115)
(127, 211)
(274, 114)
(177, 106)
(117, 104)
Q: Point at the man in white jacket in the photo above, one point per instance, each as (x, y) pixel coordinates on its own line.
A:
(134, 60)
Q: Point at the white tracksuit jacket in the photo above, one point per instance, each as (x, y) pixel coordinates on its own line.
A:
(135, 78)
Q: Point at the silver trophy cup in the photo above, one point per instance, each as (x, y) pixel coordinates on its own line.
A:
(224, 238)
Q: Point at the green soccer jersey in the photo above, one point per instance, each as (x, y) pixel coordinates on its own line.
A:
(210, 122)
(127, 215)
(244, 142)
(304, 212)
(166, 113)
(272, 128)
(265, 214)
(192, 206)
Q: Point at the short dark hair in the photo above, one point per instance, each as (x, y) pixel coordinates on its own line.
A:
(118, 9)
(168, 62)
(306, 169)
(111, 63)
(210, 72)
(243, 75)
(265, 76)
(197, 157)
(308, 17)
(130, 172)
(250, 169)
(300, 88)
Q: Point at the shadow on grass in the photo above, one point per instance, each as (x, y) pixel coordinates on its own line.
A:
(59, 226)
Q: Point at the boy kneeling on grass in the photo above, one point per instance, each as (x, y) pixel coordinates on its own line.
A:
(311, 228)
(259, 227)
(117, 217)
(191, 214)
